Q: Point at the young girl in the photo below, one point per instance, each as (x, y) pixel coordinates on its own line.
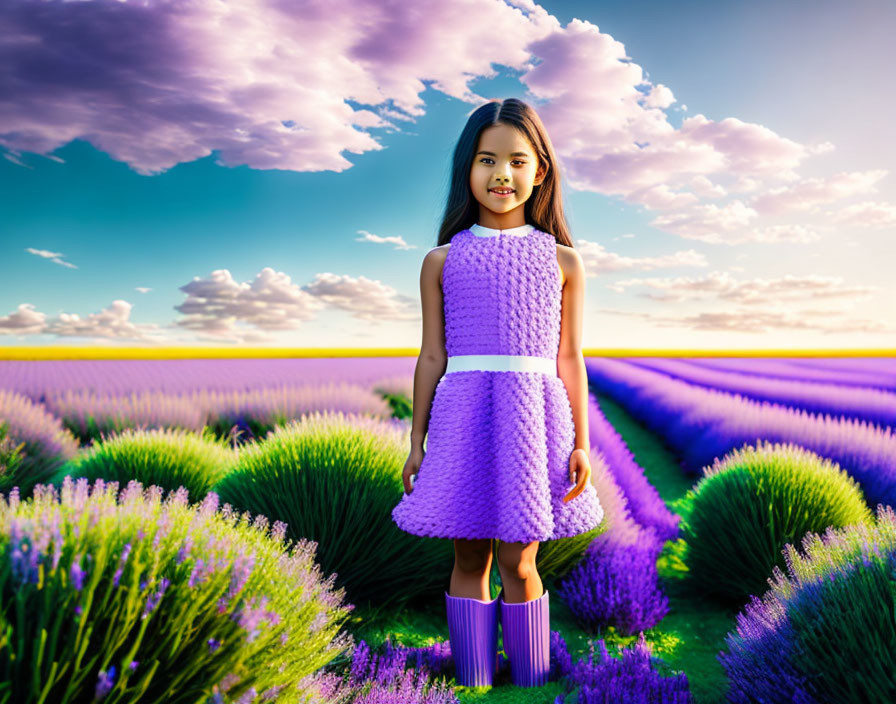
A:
(500, 392)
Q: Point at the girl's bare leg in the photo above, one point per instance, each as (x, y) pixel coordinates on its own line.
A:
(516, 563)
(472, 567)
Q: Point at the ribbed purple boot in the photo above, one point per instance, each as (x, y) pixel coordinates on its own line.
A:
(526, 628)
(473, 634)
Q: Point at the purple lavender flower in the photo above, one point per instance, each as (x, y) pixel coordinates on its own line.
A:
(105, 682)
(154, 598)
(77, 575)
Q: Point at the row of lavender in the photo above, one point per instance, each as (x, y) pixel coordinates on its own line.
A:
(702, 423)
(607, 589)
(807, 475)
(178, 456)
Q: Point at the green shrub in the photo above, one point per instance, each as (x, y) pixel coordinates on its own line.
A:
(744, 509)
(156, 601)
(334, 478)
(10, 454)
(46, 444)
(92, 415)
(167, 457)
(247, 415)
(826, 631)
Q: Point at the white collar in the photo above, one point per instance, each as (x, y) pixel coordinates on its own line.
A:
(520, 231)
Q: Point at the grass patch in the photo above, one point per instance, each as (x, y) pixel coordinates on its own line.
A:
(694, 631)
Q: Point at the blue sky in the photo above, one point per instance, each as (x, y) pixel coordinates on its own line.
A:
(151, 194)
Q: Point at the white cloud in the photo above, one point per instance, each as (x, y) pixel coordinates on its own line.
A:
(25, 320)
(55, 257)
(760, 322)
(270, 302)
(597, 260)
(810, 193)
(113, 322)
(399, 242)
(867, 214)
(754, 292)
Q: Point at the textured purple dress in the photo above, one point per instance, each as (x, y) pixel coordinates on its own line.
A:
(498, 444)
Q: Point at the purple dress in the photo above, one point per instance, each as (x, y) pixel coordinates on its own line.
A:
(496, 461)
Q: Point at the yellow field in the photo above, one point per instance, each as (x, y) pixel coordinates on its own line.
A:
(84, 352)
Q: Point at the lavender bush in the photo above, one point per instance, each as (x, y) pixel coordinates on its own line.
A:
(824, 633)
(616, 585)
(871, 405)
(257, 412)
(164, 457)
(126, 598)
(398, 675)
(39, 379)
(790, 369)
(10, 453)
(46, 445)
(636, 677)
(702, 424)
(398, 392)
(91, 415)
(334, 478)
(738, 518)
(644, 503)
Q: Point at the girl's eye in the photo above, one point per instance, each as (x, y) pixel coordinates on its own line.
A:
(517, 161)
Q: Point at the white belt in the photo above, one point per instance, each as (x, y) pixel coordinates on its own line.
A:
(500, 363)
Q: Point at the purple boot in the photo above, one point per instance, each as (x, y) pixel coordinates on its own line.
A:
(473, 634)
(527, 639)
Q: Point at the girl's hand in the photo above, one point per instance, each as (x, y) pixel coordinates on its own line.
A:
(411, 467)
(579, 472)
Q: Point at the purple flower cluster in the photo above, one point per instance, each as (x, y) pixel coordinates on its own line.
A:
(616, 585)
(42, 379)
(397, 675)
(71, 540)
(868, 404)
(637, 677)
(702, 424)
(839, 591)
(47, 444)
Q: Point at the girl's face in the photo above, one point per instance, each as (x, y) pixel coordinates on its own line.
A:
(504, 159)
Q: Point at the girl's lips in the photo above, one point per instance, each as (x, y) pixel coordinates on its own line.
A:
(501, 195)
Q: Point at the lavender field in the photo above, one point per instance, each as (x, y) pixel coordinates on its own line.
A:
(218, 530)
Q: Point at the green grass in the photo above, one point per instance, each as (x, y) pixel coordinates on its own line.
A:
(688, 638)
(695, 630)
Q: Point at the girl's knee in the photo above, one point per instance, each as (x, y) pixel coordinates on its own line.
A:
(517, 559)
(472, 555)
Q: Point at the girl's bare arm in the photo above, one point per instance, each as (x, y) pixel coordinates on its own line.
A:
(433, 357)
(570, 361)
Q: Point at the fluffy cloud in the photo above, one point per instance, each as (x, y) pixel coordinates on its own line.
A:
(598, 260)
(264, 83)
(296, 85)
(756, 322)
(364, 298)
(25, 320)
(217, 304)
(113, 322)
(811, 193)
(270, 302)
(755, 292)
(866, 214)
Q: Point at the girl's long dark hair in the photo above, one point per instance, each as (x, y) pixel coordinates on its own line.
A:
(543, 209)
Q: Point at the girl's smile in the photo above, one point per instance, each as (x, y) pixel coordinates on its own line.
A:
(501, 193)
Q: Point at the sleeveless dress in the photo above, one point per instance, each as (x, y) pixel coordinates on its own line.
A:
(496, 461)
